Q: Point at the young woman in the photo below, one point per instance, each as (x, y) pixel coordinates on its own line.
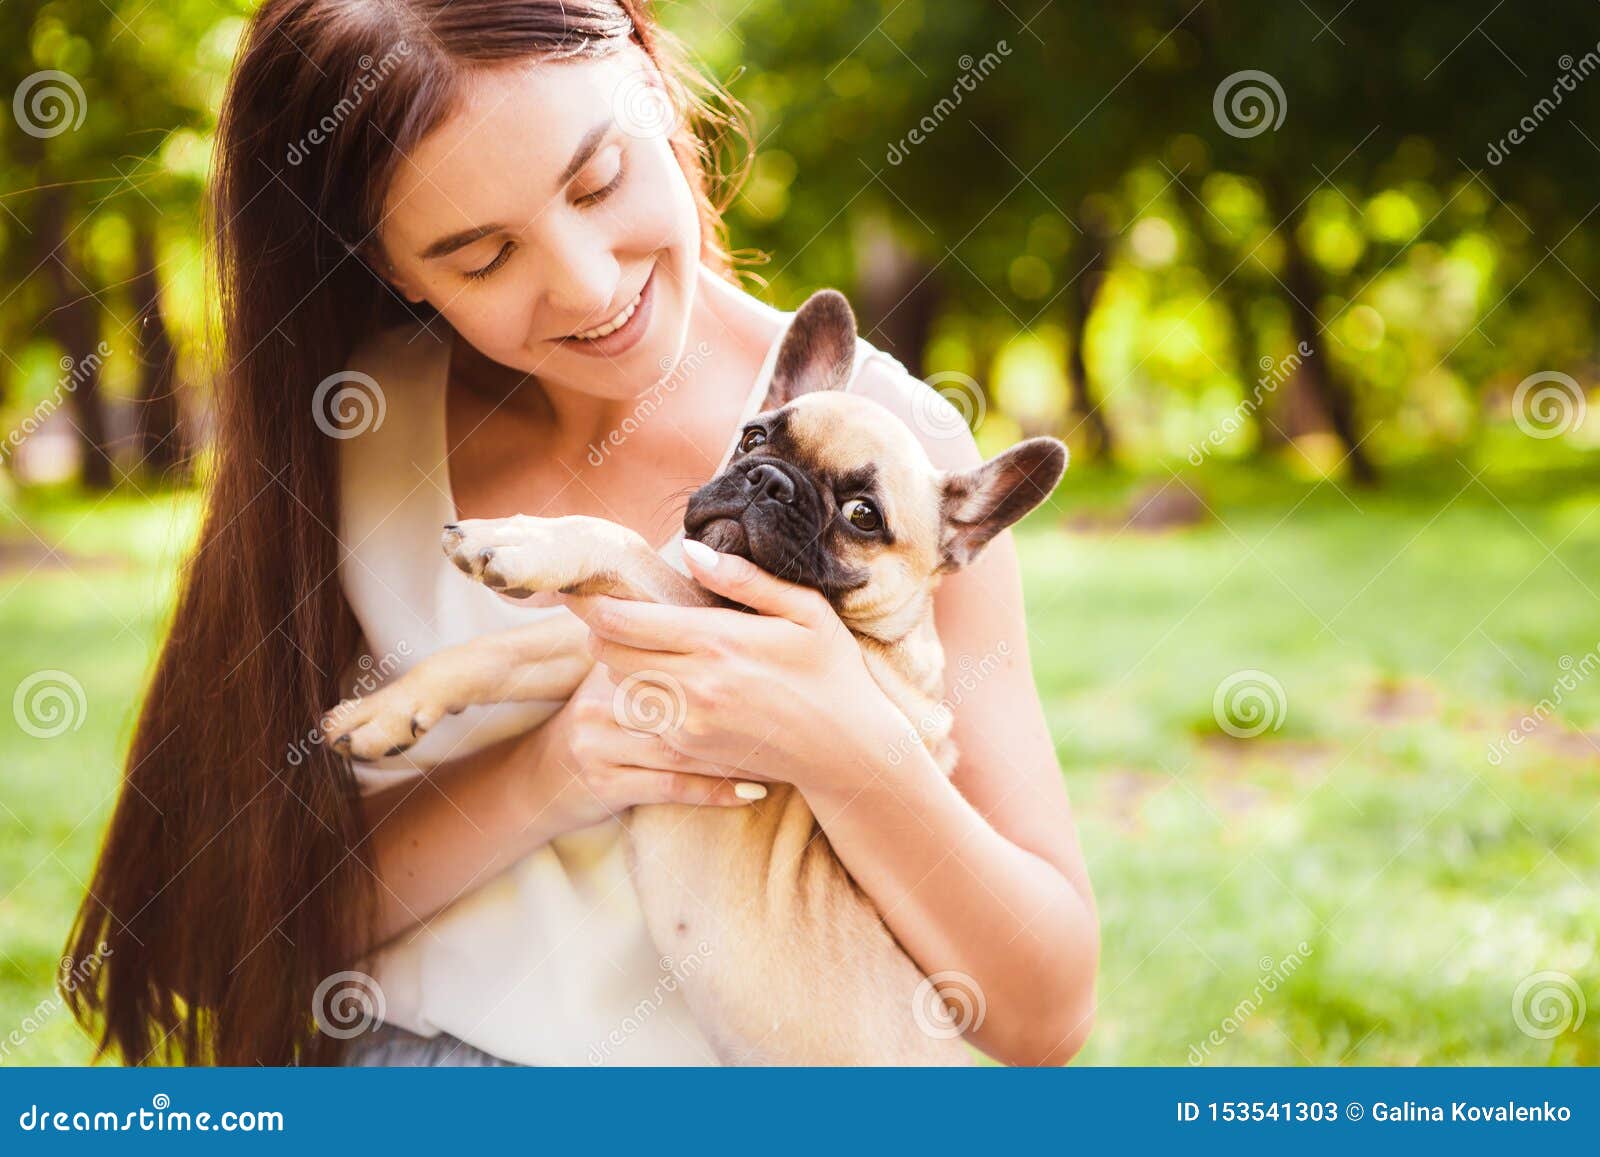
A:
(499, 219)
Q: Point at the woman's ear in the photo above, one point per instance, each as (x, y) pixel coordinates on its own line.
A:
(378, 261)
(403, 285)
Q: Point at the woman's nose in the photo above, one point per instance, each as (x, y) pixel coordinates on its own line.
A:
(581, 286)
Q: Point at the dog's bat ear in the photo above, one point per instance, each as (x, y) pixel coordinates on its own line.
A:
(981, 502)
(818, 350)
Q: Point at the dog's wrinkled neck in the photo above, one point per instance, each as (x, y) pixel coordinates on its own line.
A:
(892, 623)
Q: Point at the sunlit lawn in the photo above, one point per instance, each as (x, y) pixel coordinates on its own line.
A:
(1407, 629)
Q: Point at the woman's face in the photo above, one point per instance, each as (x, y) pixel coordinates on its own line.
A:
(537, 215)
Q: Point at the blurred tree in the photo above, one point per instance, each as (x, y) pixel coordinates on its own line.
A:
(985, 147)
(97, 91)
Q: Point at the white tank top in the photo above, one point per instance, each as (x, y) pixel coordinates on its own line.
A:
(548, 963)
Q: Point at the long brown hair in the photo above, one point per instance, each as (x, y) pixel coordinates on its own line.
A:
(234, 877)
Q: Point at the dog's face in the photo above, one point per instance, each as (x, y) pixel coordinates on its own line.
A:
(833, 491)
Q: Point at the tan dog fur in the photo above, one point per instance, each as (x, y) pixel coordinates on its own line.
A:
(797, 966)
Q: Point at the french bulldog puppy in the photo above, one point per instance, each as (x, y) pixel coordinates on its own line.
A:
(829, 490)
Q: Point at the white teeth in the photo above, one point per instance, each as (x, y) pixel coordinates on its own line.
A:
(613, 325)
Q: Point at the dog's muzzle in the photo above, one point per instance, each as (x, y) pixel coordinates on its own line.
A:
(765, 510)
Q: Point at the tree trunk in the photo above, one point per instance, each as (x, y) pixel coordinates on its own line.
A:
(1221, 271)
(1332, 394)
(74, 323)
(1091, 260)
(900, 298)
(161, 445)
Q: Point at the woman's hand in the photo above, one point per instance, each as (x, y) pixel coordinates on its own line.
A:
(784, 695)
(593, 768)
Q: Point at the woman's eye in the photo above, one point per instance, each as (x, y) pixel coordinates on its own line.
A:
(862, 515)
(500, 259)
(752, 439)
(604, 191)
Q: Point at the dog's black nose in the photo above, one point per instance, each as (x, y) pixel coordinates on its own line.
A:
(767, 481)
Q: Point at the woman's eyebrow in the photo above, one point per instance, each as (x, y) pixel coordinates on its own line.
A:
(585, 150)
(447, 245)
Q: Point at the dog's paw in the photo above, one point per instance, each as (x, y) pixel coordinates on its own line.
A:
(509, 555)
(384, 723)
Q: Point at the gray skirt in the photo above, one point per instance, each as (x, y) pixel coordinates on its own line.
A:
(386, 1046)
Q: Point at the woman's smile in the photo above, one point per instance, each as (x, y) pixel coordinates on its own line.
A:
(622, 332)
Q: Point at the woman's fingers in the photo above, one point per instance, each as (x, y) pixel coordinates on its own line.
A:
(656, 627)
(650, 626)
(745, 583)
(622, 660)
(652, 752)
(629, 786)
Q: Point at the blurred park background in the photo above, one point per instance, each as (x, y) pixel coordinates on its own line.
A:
(1310, 288)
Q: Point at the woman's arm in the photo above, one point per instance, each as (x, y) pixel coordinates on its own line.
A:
(437, 837)
(981, 874)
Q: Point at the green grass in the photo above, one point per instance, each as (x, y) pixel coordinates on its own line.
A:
(94, 609)
(1407, 628)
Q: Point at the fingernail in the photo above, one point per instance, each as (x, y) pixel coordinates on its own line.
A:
(701, 553)
(750, 790)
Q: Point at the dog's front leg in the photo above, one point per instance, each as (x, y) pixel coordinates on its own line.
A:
(575, 555)
(518, 556)
(543, 660)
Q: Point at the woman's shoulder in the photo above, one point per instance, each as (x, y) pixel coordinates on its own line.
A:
(386, 460)
(405, 356)
(941, 411)
(396, 377)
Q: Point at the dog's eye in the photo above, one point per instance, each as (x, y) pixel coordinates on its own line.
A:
(861, 514)
(752, 438)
